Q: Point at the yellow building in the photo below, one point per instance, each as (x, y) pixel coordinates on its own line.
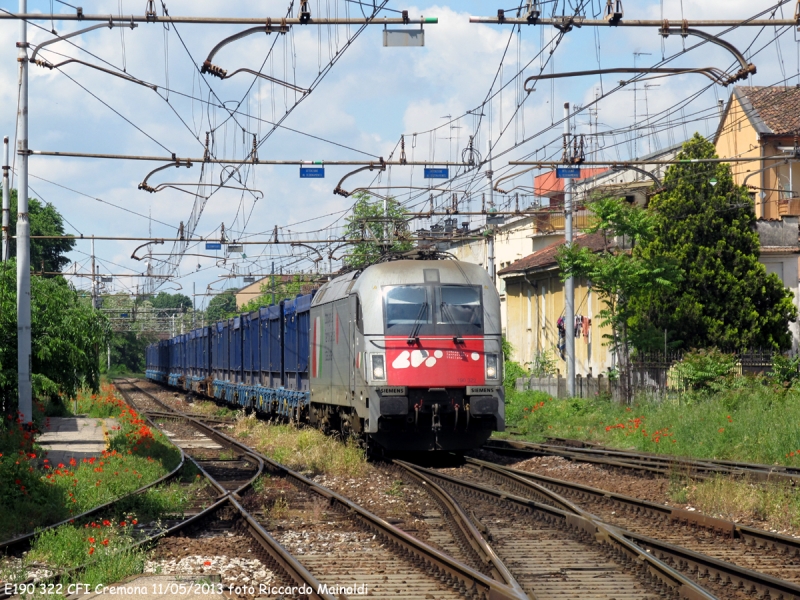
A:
(254, 290)
(535, 302)
(763, 123)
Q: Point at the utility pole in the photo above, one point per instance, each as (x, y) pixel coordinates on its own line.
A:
(490, 228)
(6, 203)
(23, 232)
(194, 300)
(272, 282)
(569, 284)
(636, 136)
(94, 279)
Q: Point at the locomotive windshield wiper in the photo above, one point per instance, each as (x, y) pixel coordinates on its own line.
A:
(446, 311)
(413, 338)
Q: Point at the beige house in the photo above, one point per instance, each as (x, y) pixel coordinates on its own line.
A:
(540, 227)
(763, 123)
(535, 301)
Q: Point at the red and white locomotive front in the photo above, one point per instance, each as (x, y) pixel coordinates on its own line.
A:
(431, 355)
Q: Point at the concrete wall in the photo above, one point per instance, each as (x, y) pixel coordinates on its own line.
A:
(585, 387)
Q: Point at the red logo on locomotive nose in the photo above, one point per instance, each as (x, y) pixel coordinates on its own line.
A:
(416, 358)
(435, 362)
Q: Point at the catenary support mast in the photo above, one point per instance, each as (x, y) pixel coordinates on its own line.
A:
(6, 204)
(569, 284)
(23, 232)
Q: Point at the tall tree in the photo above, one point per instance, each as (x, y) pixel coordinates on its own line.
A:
(706, 225)
(284, 290)
(67, 335)
(619, 274)
(44, 220)
(376, 234)
(221, 306)
(166, 300)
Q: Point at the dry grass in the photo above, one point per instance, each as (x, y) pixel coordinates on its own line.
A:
(210, 409)
(776, 504)
(301, 448)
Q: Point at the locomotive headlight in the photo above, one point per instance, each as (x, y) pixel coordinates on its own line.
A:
(378, 367)
(492, 366)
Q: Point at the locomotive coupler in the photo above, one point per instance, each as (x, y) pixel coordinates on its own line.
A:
(436, 424)
(455, 428)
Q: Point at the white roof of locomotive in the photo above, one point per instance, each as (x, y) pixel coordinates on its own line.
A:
(406, 272)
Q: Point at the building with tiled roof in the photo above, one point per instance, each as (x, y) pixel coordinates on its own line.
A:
(763, 123)
(535, 302)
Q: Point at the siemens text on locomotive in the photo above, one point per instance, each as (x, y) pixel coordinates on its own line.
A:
(406, 352)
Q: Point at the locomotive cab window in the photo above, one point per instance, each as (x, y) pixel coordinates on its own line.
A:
(461, 305)
(406, 306)
(433, 310)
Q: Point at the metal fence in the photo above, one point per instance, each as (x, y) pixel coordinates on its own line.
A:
(653, 375)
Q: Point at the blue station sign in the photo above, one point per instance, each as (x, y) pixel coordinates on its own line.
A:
(568, 172)
(312, 172)
(213, 246)
(437, 173)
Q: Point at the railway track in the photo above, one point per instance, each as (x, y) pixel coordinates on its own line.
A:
(769, 553)
(205, 508)
(556, 553)
(509, 531)
(387, 560)
(656, 464)
(730, 560)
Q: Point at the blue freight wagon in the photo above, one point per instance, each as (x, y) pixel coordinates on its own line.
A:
(256, 360)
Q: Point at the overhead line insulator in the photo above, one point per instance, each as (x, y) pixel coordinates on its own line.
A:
(213, 70)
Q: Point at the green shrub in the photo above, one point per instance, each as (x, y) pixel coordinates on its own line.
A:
(702, 370)
(513, 371)
(785, 370)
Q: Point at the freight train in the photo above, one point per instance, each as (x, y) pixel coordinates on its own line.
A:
(406, 354)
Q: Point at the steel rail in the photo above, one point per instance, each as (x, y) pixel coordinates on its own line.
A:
(579, 21)
(291, 565)
(476, 541)
(739, 576)
(580, 444)
(259, 463)
(532, 451)
(126, 19)
(207, 419)
(785, 543)
(661, 464)
(401, 541)
(563, 510)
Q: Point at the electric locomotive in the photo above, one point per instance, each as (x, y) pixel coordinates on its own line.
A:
(409, 352)
(406, 354)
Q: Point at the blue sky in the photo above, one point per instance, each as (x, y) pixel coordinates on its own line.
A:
(371, 97)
